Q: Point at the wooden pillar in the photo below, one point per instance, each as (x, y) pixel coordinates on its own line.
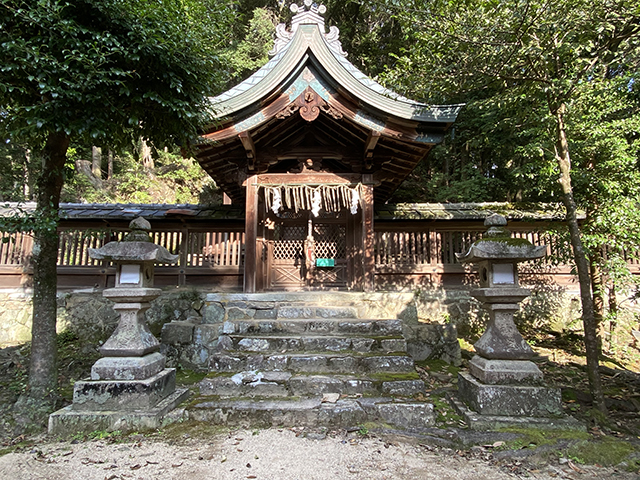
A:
(184, 256)
(250, 235)
(368, 260)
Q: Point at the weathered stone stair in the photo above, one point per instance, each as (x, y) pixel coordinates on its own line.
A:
(311, 366)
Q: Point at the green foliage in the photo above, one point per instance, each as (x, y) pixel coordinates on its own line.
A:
(108, 69)
(251, 53)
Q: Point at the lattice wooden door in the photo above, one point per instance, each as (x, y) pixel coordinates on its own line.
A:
(331, 243)
(286, 269)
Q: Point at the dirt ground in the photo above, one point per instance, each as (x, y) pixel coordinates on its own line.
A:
(274, 454)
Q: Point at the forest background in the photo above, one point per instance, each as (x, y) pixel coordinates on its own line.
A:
(552, 115)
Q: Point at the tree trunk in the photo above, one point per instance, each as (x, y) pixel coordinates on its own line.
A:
(613, 313)
(597, 287)
(43, 376)
(145, 155)
(28, 177)
(582, 265)
(96, 162)
(110, 165)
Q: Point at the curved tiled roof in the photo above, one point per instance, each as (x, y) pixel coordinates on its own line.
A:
(308, 38)
(401, 211)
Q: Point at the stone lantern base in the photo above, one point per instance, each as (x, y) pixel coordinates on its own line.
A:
(121, 404)
(501, 393)
(509, 400)
(114, 416)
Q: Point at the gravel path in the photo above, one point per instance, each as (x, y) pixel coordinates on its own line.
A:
(274, 454)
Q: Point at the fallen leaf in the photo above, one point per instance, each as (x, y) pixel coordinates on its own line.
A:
(330, 397)
(137, 466)
(174, 465)
(573, 467)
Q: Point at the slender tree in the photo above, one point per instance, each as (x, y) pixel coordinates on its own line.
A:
(541, 51)
(106, 71)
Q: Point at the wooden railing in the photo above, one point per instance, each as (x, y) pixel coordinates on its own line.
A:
(439, 247)
(215, 256)
(215, 249)
(203, 257)
(15, 249)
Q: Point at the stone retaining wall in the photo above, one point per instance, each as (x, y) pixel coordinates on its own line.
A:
(432, 318)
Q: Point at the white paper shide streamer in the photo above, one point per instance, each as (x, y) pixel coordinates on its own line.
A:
(331, 198)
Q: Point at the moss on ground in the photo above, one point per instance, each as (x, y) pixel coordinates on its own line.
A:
(189, 377)
(540, 436)
(605, 451)
(394, 377)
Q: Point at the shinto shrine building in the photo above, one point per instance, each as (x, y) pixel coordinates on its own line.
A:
(307, 144)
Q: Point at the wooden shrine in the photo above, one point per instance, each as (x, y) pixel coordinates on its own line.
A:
(307, 144)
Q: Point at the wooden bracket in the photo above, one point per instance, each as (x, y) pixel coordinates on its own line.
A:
(369, 146)
(250, 149)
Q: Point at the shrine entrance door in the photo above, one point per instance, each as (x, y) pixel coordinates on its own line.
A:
(287, 267)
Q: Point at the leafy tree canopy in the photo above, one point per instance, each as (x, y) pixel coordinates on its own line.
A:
(108, 69)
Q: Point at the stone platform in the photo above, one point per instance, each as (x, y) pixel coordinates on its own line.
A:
(68, 421)
(494, 422)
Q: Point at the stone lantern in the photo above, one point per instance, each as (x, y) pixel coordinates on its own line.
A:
(129, 388)
(503, 381)
(134, 259)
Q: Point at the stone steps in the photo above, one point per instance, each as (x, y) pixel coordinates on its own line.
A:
(311, 343)
(285, 384)
(282, 362)
(342, 326)
(316, 363)
(313, 412)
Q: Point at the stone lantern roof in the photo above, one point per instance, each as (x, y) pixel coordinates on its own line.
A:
(136, 247)
(498, 244)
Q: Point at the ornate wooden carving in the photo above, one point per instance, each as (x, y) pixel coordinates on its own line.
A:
(309, 103)
(332, 112)
(287, 111)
